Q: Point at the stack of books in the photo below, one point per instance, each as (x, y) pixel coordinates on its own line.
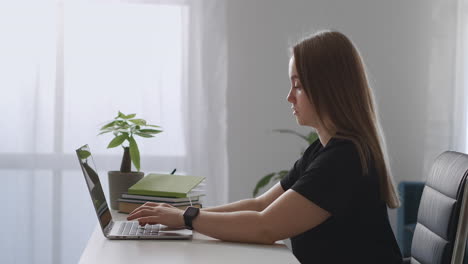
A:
(176, 190)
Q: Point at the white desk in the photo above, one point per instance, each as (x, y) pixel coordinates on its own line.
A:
(201, 249)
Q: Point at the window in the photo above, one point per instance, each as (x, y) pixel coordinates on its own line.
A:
(128, 57)
(70, 67)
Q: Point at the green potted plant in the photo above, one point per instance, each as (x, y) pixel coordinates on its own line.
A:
(277, 176)
(125, 128)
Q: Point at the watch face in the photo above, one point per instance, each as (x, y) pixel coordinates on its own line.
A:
(189, 214)
(191, 211)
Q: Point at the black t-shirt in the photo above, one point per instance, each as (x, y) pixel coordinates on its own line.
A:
(358, 230)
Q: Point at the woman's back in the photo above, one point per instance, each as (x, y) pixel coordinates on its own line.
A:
(358, 230)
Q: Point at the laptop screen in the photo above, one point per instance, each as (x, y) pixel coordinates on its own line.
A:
(94, 185)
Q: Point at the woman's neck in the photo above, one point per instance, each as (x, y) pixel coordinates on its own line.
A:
(324, 136)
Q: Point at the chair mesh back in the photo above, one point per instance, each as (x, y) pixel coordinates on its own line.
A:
(439, 210)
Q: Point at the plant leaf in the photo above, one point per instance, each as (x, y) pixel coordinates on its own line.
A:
(129, 116)
(312, 137)
(103, 132)
(83, 154)
(144, 135)
(111, 124)
(262, 183)
(151, 131)
(140, 122)
(120, 123)
(124, 126)
(280, 175)
(134, 153)
(122, 130)
(153, 126)
(121, 115)
(289, 131)
(117, 141)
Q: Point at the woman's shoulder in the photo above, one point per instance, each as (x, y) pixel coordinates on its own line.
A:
(341, 146)
(335, 142)
(338, 152)
(335, 147)
(313, 148)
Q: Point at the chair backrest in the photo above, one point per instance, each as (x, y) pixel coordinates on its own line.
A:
(460, 246)
(439, 210)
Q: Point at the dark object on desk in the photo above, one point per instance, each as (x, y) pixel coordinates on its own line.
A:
(440, 232)
(407, 213)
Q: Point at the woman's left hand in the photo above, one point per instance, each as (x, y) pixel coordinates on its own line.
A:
(158, 213)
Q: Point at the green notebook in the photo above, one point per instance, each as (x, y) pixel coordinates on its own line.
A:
(166, 185)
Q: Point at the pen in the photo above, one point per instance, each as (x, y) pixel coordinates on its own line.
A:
(173, 171)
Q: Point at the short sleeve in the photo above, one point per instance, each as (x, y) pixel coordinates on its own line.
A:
(329, 180)
(291, 177)
(295, 171)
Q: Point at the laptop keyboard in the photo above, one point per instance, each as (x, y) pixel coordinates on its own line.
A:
(134, 229)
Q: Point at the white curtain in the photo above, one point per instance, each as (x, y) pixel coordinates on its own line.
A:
(460, 108)
(66, 68)
(446, 109)
(205, 98)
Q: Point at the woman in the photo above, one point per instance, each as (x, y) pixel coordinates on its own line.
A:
(333, 202)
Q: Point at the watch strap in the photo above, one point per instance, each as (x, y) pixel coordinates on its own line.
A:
(189, 215)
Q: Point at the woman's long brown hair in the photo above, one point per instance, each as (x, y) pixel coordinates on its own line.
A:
(333, 75)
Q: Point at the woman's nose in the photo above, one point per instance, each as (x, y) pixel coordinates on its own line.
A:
(290, 96)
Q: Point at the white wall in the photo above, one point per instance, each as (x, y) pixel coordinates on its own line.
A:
(394, 37)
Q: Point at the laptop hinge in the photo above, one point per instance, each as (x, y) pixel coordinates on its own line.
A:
(108, 228)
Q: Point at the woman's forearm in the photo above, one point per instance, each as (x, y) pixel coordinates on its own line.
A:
(242, 205)
(242, 226)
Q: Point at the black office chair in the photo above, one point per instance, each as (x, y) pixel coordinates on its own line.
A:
(441, 228)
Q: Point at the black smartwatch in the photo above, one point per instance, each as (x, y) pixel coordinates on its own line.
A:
(190, 214)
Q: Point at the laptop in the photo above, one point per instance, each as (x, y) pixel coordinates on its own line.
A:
(120, 229)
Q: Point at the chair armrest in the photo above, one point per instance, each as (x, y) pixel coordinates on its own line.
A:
(407, 213)
(410, 193)
(406, 261)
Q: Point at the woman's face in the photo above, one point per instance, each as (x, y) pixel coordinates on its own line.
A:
(301, 105)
